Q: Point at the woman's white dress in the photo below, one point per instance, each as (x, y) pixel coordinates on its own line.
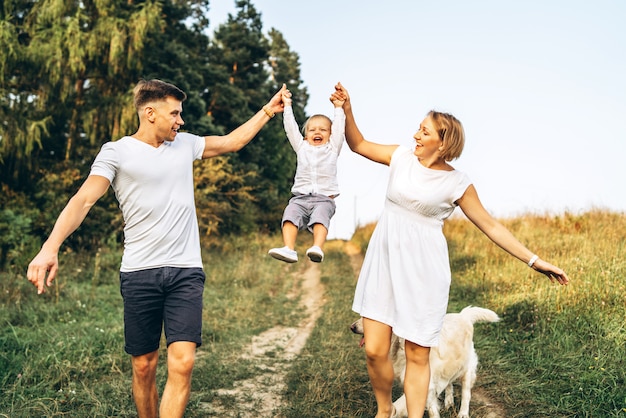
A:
(405, 278)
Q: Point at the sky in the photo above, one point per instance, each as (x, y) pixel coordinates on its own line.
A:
(539, 85)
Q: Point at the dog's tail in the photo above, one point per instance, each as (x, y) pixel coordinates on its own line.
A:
(475, 314)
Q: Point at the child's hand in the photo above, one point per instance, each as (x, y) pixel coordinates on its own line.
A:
(286, 97)
(337, 101)
(339, 96)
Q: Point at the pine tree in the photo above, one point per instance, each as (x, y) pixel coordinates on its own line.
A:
(249, 69)
(23, 124)
(67, 70)
(70, 79)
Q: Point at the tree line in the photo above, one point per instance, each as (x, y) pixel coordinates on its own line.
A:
(67, 70)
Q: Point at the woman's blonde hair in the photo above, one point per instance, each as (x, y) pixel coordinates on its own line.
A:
(451, 132)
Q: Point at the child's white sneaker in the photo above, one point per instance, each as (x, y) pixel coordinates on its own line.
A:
(285, 254)
(315, 254)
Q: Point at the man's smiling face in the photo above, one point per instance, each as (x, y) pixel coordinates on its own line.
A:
(168, 118)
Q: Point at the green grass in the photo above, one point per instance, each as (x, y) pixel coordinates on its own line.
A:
(558, 351)
(329, 379)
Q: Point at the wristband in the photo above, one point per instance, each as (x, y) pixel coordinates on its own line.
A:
(532, 260)
(268, 112)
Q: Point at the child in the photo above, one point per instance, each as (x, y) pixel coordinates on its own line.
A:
(315, 184)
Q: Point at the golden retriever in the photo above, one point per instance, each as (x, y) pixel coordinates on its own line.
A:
(454, 358)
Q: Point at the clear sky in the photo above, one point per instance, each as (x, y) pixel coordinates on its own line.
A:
(539, 85)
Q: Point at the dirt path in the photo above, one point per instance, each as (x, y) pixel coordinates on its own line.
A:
(274, 349)
(272, 352)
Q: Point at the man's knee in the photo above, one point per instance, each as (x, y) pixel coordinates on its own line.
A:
(182, 364)
(145, 365)
(181, 357)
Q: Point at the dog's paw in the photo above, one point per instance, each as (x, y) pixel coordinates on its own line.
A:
(400, 407)
(449, 397)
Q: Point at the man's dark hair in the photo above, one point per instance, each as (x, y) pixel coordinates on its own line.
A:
(147, 91)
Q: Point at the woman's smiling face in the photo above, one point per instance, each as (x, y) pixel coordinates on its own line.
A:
(427, 140)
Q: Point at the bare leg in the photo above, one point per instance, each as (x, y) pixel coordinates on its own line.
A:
(416, 379)
(144, 384)
(290, 233)
(379, 367)
(180, 360)
(319, 235)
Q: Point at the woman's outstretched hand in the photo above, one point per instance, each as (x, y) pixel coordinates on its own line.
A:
(555, 274)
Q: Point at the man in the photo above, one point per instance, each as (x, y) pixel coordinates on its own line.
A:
(161, 275)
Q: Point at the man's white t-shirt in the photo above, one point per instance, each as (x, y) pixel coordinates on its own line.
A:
(155, 191)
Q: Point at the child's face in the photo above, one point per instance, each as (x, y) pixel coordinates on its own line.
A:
(317, 131)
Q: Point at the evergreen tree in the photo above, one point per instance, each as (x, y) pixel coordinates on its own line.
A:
(23, 124)
(69, 80)
(279, 157)
(242, 58)
(67, 70)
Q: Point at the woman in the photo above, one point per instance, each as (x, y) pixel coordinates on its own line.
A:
(405, 279)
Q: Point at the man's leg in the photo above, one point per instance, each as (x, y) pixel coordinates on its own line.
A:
(183, 331)
(144, 384)
(180, 360)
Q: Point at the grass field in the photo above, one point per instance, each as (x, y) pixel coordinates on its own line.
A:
(558, 351)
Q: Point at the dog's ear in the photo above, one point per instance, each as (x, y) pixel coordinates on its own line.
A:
(357, 326)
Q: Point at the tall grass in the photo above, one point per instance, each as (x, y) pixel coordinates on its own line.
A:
(558, 351)
(61, 353)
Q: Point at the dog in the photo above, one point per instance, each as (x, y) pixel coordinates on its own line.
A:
(454, 358)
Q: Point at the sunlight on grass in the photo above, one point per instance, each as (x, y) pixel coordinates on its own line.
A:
(558, 351)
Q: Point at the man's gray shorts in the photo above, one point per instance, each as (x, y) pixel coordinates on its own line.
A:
(308, 209)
